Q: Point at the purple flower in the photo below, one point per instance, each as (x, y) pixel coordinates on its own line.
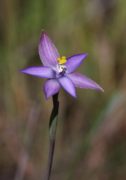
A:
(59, 70)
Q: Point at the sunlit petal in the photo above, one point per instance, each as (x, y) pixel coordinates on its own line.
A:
(81, 81)
(67, 84)
(51, 87)
(74, 62)
(42, 72)
(47, 51)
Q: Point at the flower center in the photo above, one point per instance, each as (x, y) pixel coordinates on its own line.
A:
(61, 67)
(62, 60)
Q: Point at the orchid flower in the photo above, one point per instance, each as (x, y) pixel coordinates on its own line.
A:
(59, 70)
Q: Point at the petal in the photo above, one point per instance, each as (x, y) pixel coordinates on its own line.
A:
(51, 87)
(82, 81)
(67, 84)
(43, 72)
(74, 61)
(47, 51)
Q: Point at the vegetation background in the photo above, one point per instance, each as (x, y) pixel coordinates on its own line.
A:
(91, 137)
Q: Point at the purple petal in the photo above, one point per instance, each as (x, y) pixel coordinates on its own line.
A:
(74, 61)
(82, 81)
(51, 87)
(47, 51)
(67, 84)
(43, 72)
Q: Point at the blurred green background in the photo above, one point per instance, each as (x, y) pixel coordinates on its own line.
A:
(91, 136)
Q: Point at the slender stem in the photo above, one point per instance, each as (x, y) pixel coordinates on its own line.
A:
(50, 158)
(52, 132)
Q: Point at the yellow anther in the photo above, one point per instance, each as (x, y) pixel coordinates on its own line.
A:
(62, 60)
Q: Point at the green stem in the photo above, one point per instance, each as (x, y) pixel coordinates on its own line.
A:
(52, 133)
